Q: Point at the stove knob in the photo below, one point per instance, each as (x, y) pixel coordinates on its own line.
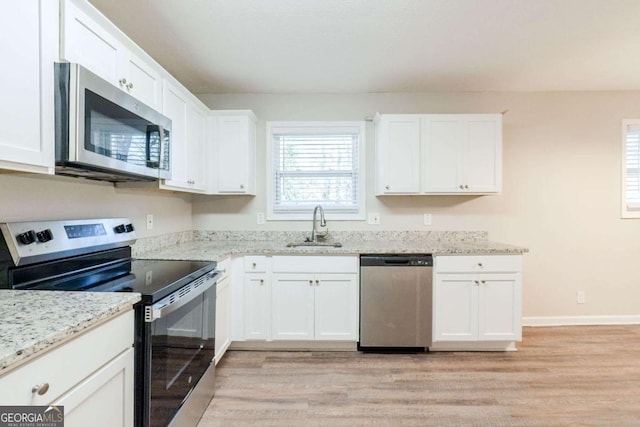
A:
(119, 229)
(44, 236)
(27, 238)
(129, 228)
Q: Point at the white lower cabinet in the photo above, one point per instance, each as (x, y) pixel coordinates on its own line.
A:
(314, 306)
(314, 298)
(91, 376)
(477, 299)
(256, 306)
(223, 316)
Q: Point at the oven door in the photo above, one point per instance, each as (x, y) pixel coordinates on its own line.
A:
(180, 347)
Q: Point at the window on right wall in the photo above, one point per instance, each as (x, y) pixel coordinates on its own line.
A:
(631, 168)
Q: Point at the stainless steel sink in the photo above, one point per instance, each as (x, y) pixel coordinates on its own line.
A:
(317, 244)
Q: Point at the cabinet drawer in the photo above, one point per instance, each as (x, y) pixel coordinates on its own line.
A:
(315, 264)
(255, 264)
(478, 264)
(224, 267)
(67, 365)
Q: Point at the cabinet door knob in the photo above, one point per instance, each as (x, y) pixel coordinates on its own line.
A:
(387, 187)
(461, 187)
(479, 264)
(310, 282)
(40, 389)
(241, 186)
(123, 82)
(317, 282)
(476, 282)
(261, 281)
(254, 265)
(130, 86)
(483, 281)
(466, 186)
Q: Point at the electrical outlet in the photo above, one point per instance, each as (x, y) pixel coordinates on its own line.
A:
(580, 297)
(427, 219)
(260, 218)
(149, 221)
(373, 219)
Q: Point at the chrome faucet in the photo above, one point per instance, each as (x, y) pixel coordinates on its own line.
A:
(323, 223)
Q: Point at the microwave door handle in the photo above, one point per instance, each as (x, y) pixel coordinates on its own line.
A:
(162, 145)
(151, 129)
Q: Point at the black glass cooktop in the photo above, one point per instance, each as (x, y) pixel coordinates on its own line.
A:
(154, 279)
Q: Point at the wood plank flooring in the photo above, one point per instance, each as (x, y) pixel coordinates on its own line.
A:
(561, 376)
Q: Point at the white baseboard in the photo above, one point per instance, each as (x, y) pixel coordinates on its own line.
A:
(581, 320)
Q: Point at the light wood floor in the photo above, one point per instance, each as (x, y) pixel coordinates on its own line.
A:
(561, 376)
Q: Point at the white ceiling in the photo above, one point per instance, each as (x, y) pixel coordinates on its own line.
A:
(357, 46)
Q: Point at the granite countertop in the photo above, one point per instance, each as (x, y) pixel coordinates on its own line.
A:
(202, 250)
(33, 321)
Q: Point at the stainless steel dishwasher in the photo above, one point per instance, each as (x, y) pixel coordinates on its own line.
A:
(395, 302)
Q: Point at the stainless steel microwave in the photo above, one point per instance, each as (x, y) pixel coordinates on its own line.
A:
(105, 134)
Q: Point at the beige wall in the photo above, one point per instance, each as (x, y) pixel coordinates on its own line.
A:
(560, 198)
(33, 197)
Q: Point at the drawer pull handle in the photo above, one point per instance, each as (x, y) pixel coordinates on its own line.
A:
(40, 389)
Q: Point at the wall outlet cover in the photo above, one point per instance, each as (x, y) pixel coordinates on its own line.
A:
(373, 218)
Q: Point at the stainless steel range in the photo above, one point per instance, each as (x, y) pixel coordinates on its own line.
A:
(175, 321)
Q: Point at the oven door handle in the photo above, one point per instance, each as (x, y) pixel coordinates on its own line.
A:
(174, 301)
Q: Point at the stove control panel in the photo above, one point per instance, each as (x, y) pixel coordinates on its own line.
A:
(37, 241)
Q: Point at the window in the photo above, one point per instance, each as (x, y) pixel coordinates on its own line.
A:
(631, 168)
(315, 163)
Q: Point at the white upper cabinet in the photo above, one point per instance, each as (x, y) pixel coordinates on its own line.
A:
(188, 134)
(92, 41)
(397, 154)
(27, 87)
(462, 153)
(438, 154)
(233, 152)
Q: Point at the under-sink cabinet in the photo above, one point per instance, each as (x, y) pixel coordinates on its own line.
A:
(299, 299)
(477, 301)
(92, 377)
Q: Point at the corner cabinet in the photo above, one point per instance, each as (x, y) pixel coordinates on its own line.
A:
(188, 139)
(233, 140)
(92, 41)
(88, 375)
(438, 154)
(27, 108)
(477, 302)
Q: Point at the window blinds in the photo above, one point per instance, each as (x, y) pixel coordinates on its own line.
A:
(315, 169)
(632, 166)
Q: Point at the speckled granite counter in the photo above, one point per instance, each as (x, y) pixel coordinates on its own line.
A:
(216, 246)
(34, 321)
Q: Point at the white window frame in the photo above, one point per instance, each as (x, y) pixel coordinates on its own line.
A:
(628, 210)
(306, 127)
